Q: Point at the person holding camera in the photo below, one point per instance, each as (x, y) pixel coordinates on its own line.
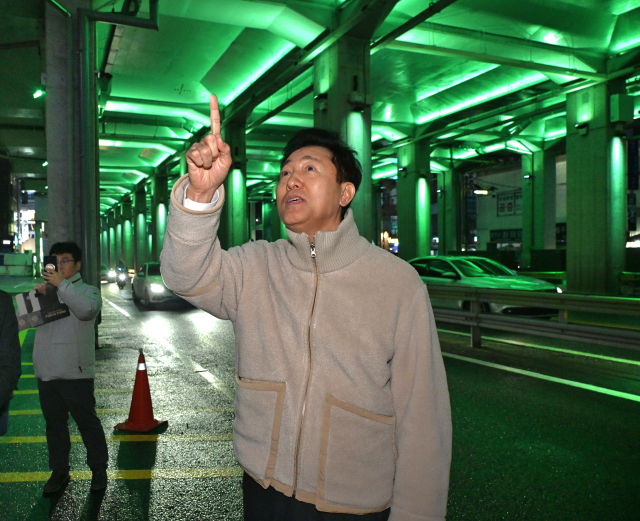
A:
(64, 364)
(10, 368)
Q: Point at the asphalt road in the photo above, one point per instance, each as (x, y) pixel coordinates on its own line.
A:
(538, 434)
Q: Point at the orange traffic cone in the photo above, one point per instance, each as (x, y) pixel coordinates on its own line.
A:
(141, 411)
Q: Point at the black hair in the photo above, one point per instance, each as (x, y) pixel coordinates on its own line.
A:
(67, 247)
(348, 168)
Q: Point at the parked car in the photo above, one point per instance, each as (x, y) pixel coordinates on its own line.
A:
(479, 272)
(147, 286)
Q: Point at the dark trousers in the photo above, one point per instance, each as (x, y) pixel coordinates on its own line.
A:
(271, 505)
(58, 398)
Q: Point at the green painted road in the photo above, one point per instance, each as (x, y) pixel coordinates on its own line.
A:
(538, 434)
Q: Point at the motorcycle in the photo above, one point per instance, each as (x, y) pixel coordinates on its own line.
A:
(121, 279)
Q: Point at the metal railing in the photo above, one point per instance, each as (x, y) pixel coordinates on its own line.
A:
(623, 336)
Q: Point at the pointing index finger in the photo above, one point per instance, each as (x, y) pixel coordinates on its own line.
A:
(215, 115)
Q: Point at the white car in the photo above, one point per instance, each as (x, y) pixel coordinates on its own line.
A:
(479, 272)
(147, 286)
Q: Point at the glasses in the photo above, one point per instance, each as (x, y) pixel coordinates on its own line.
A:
(65, 261)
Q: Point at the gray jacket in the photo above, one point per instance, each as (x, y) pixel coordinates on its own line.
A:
(65, 349)
(10, 368)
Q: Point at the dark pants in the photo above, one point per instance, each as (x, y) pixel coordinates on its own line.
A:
(58, 398)
(271, 505)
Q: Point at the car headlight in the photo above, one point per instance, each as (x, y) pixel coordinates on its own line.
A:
(156, 288)
(111, 274)
(558, 290)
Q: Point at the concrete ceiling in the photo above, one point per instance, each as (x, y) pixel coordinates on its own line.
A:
(480, 75)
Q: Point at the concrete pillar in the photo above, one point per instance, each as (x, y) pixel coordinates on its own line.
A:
(596, 194)
(111, 224)
(538, 203)
(236, 222)
(449, 208)
(104, 240)
(343, 104)
(127, 233)
(140, 226)
(414, 205)
(118, 240)
(159, 209)
(71, 128)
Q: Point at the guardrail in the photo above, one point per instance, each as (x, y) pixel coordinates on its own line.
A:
(560, 302)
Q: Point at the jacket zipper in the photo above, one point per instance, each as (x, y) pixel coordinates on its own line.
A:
(304, 401)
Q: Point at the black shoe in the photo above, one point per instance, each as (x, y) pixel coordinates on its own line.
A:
(56, 482)
(99, 480)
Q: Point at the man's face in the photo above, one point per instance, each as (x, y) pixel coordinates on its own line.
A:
(308, 195)
(66, 266)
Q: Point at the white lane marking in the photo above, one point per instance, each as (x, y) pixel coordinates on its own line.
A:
(196, 368)
(118, 308)
(547, 348)
(524, 372)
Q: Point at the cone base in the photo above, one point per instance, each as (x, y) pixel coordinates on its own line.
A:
(139, 427)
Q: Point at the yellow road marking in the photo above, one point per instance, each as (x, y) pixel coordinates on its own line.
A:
(27, 363)
(98, 375)
(220, 410)
(83, 475)
(126, 437)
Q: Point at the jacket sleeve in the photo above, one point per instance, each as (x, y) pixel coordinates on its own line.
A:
(10, 368)
(84, 301)
(193, 264)
(423, 416)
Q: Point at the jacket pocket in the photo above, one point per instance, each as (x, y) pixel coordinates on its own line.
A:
(256, 429)
(357, 456)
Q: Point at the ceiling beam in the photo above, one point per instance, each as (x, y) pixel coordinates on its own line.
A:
(296, 62)
(430, 11)
(492, 58)
(302, 94)
(594, 62)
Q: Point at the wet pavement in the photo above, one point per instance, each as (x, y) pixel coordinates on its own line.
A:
(536, 434)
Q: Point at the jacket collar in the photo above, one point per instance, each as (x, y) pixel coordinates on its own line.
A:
(75, 278)
(334, 250)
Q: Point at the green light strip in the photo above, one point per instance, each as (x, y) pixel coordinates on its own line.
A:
(546, 348)
(495, 93)
(571, 383)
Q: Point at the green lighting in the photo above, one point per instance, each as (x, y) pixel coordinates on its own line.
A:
(136, 144)
(493, 148)
(446, 136)
(252, 182)
(556, 133)
(158, 110)
(45, 163)
(387, 113)
(375, 137)
(386, 174)
(551, 38)
(465, 155)
(276, 56)
(626, 45)
(516, 146)
(495, 93)
(39, 93)
(456, 82)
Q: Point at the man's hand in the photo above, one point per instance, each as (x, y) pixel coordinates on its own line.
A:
(41, 288)
(52, 277)
(208, 161)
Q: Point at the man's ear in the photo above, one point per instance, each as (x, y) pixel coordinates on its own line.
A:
(348, 193)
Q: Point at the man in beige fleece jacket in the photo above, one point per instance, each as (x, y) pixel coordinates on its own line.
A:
(342, 407)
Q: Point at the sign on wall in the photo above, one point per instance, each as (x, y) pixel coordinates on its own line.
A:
(510, 203)
(503, 236)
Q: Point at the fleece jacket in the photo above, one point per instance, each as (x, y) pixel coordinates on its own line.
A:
(341, 392)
